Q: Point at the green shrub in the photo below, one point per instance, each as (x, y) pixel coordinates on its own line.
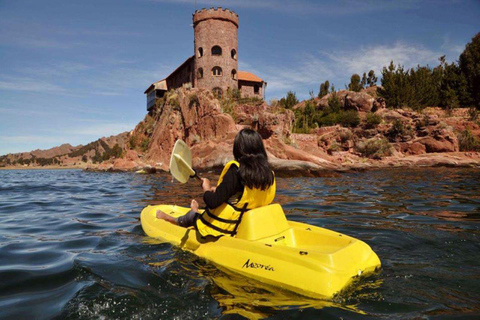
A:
(193, 100)
(467, 141)
(289, 101)
(399, 131)
(324, 89)
(355, 84)
(233, 93)
(329, 119)
(374, 148)
(97, 157)
(334, 147)
(144, 144)
(256, 101)
(473, 113)
(287, 140)
(228, 105)
(334, 103)
(345, 136)
(172, 99)
(196, 139)
(84, 149)
(372, 120)
(348, 118)
(133, 142)
(149, 125)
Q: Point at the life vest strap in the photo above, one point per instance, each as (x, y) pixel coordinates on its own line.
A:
(214, 227)
(211, 215)
(242, 211)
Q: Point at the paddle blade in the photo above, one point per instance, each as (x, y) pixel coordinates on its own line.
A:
(181, 162)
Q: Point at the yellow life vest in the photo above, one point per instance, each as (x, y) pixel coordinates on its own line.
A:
(226, 218)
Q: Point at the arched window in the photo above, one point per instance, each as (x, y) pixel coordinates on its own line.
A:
(234, 54)
(200, 52)
(256, 89)
(199, 73)
(216, 51)
(217, 71)
(217, 92)
(234, 74)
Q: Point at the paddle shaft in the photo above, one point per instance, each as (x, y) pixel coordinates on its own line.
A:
(197, 177)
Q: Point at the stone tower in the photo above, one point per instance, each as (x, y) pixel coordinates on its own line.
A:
(216, 49)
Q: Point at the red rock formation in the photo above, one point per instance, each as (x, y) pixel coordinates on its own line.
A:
(192, 115)
(359, 101)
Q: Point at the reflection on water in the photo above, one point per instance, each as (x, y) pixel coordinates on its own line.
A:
(71, 246)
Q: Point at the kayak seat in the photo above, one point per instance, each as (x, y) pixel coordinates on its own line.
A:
(262, 223)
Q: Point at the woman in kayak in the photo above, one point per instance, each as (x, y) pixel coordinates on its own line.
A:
(246, 183)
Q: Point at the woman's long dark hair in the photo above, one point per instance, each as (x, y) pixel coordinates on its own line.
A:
(249, 151)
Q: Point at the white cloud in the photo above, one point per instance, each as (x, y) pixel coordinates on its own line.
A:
(376, 57)
(59, 69)
(334, 7)
(33, 85)
(308, 70)
(453, 49)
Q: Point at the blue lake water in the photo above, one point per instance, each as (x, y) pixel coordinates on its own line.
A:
(71, 246)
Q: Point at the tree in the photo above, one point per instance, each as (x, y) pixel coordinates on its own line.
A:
(470, 65)
(334, 103)
(397, 87)
(289, 101)
(324, 87)
(453, 86)
(371, 79)
(355, 84)
(364, 80)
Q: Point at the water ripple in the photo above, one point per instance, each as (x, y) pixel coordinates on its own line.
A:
(71, 246)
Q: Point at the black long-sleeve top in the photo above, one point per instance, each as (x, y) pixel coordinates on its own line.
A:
(231, 186)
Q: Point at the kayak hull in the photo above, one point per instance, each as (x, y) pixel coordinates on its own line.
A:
(306, 259)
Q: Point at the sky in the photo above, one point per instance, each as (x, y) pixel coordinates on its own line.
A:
(74, 71)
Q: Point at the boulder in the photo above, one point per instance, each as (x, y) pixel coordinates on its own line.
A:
(350, 100)
(292, 168)
(391, 115)
(438, 144)
(378, 104)
(359, 101)
(411, 148)
(266, 121)
(373, 91)
(124, 165)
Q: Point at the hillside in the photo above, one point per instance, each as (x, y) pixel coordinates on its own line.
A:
(342, 131)
(377, 137)
(67, 155)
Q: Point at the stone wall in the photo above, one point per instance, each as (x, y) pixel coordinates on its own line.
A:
(247, 89)
(215, 27)
(181, 75)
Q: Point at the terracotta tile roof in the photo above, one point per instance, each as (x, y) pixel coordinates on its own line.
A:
(247, 76)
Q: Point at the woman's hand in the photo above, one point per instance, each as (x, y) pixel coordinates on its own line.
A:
(206, 184)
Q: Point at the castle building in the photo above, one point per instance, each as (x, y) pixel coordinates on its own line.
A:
(214, 65)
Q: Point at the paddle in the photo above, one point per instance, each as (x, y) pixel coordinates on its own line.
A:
(181, 163)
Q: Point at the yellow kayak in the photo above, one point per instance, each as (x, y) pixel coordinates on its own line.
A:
(306, 259)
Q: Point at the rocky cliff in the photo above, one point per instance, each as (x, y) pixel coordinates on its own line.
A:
(380, 137)
(383, 137)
